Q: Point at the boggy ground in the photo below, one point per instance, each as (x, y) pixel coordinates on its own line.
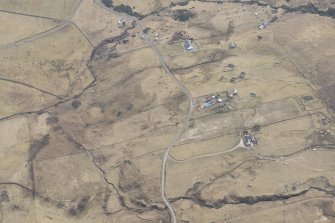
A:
(87, 114)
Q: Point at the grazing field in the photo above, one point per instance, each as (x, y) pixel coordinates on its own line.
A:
(57, 9)
(55, 63)
(20, 27)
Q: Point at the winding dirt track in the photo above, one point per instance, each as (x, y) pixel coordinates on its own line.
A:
(239, 145)
(183, 126)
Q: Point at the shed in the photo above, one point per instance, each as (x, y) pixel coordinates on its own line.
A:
(232, 45)
(188, 45)
(121, 23)
(263, 25)
(208, 104)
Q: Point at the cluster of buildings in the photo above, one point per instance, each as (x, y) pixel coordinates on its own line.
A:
(248, 140)
(219, 99)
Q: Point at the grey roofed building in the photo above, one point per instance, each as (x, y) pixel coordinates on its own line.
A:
(187, 45)
(232, 45)
(122, 22)
(263, 25)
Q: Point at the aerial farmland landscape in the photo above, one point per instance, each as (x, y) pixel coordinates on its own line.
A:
(167, 111)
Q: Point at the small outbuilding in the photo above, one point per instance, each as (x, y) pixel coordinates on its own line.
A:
(188, 45)
(263, 25)
(232, 45)
(208, 103)
(121, 23)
